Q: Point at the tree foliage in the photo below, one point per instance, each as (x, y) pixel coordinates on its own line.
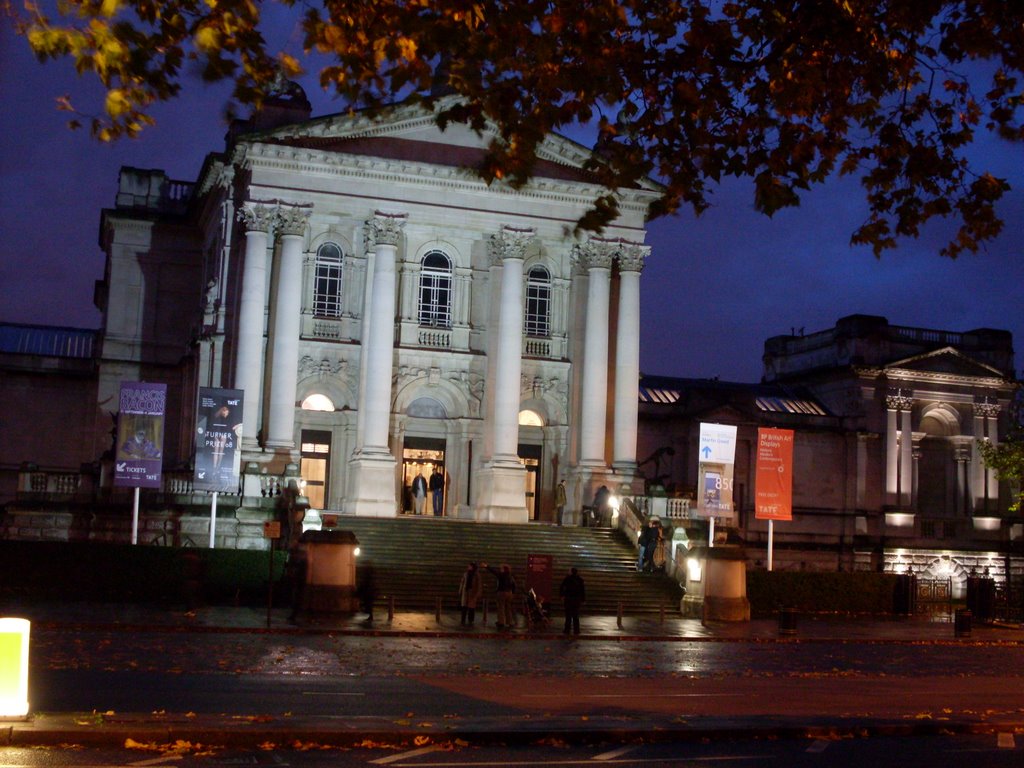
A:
(787, 93)
(1007, 457)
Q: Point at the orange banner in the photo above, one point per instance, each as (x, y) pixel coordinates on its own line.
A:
(773, 483)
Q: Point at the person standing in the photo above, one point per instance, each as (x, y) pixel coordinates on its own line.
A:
(601, 510)
(471, 588)
(505, 594)
(560, 500)
(573, 593)
(419, 492)
(437, 491)
(646, 542)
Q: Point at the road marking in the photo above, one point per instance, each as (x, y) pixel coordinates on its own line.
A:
(615, 753)
(405, 755)
(818, 745)
(1005, 741)
(631, 695)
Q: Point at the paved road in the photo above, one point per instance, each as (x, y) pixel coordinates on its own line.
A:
(225, 677)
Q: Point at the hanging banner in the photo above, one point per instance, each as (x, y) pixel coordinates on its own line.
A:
(773, 479)
(218, 433)
(138, 460)
(716, 456)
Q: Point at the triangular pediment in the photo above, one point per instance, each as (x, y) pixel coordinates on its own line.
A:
(409, 133)
(946, 361)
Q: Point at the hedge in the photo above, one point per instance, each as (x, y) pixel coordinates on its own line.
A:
(819, 591)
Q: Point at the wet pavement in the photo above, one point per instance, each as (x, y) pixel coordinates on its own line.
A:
(641, 677)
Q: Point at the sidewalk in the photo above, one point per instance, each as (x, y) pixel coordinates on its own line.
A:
(730, 718)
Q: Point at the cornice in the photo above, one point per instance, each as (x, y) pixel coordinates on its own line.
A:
(307, 161)
(931, 377)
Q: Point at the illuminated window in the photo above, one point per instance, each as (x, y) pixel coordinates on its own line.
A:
(435, 308)
(327, 281)
(317, 403)
(530, 419)
(538, 303)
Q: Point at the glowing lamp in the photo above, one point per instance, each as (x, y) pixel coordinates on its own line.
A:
(13, 667)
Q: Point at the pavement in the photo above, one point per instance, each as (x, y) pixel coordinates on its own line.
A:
(732, 706)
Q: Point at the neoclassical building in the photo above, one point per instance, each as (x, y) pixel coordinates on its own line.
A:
(886, 469)
(385, 312)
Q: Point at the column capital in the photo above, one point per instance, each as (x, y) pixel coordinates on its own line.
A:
(292, 219)
(597, 253)
(257, 217)
(511, 243)
(632, 256)
(987, 409)
(384, 229)
(899, 400)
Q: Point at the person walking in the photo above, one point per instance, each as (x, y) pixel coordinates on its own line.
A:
(437, 491)
(419, 492)
(573, 593)
(471, 589)
(505, 594)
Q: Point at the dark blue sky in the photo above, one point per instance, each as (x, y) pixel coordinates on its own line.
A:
(713, 290)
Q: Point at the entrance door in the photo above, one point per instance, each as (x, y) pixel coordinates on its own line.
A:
(314, 460)
(422, 456)
(529, 457)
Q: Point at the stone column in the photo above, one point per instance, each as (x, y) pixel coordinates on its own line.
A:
(962, 457)
(627, 358)
(992, 479)
(502, 494)
(893, 403)
(373, 466)
(977, 465)
(287, 329)
(257, 219)
(906, 458)
(596, 258)
(985, 428)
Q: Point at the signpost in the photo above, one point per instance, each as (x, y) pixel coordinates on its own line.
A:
(716, 457)
(138, 460)
(773, 495)
(218, 458)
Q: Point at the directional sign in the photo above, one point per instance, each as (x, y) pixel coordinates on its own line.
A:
(718, 443)
(717, 455)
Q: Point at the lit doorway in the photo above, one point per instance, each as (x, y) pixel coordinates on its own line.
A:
(315, 458)
(422, 456)
(529, 457)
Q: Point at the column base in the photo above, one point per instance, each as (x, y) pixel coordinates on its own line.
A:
(502, 494)
(372, 478)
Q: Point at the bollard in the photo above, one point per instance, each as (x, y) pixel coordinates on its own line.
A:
(391, 608)
(438, 614)
(618, 617)
(787, 621)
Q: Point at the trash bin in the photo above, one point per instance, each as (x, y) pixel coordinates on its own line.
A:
(962, 622)
(787, 621)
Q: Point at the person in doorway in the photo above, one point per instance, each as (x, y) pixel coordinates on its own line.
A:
(573, 594)
(471, 589)
(560, 501)
(506, 591)
(437, 491)
(419, 492)
(601, 509)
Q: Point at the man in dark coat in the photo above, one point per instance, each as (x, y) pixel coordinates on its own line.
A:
(573, 594)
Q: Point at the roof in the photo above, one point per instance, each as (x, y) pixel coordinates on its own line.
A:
(702, 394)
(48, 341)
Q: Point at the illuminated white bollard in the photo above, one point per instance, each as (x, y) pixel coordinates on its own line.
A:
(14, 667)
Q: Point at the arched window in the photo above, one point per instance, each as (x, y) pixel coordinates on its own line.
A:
(435, 308)
(538, 303)
(327, 281)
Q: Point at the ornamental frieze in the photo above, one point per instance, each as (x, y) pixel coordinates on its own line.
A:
(597, 253)
(899, 400)
(511, 243)
(292, 219)
(632, 257)
(384, 229)
(309, 366)
(257, 217)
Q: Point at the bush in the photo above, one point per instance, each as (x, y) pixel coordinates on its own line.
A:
(104, 572)
(814, 591)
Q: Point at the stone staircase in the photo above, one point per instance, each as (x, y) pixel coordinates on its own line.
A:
(417, 560)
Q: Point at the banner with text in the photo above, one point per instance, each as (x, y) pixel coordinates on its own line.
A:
(716, 456)
(773, 479)
(138, 460)
(218, 432)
